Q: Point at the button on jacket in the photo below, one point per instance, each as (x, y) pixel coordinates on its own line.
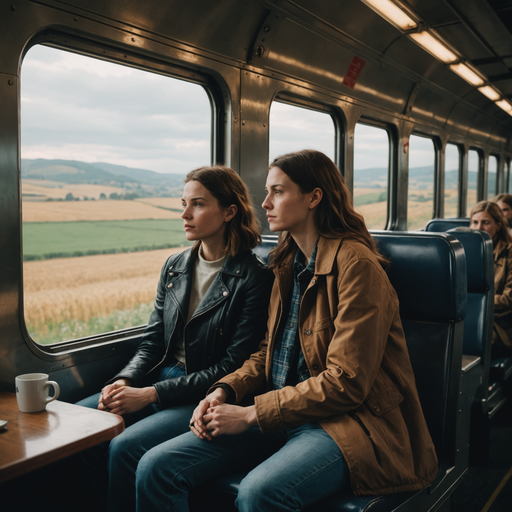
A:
(223, 332)
(362, 389)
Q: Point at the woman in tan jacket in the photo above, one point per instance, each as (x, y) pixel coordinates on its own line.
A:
(336, 403)
(487, 216)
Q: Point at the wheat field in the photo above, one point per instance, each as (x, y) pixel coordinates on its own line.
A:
(47, 189)
(78, 289)
(164, 202)
(61, 211)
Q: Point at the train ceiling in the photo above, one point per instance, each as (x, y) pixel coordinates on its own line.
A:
(345, 46)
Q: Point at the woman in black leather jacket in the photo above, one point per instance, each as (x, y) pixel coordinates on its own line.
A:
(210, 314)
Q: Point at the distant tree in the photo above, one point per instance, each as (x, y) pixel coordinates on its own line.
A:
(69, 197)
(115, 195)
(103, 196)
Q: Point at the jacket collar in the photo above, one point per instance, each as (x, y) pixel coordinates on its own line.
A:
(327, 251)
(326, 254)
(233, 266)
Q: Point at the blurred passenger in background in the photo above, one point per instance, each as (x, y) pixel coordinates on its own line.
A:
(487, 216)
(504, 201)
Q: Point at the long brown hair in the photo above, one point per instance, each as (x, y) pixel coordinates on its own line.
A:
(507, 199)
(243, 230)
(335, 215)
(503, 237)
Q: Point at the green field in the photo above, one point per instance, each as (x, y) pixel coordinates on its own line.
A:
(56, 332)
(374, 197)
(45, 240)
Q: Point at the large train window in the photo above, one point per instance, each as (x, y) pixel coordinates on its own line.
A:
(104, 150)
(492, 175)
(473, 168)
(371, 173)
(451, 180)
(293, 128)
(420, 197)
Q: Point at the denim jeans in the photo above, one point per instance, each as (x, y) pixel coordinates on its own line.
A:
(289, 469)
(144, 430)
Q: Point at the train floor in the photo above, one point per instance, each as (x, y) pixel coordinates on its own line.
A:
(488, 488)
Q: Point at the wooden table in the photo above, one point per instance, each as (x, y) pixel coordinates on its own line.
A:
(33, 440)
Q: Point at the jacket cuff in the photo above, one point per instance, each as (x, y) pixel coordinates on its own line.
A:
(268, 413)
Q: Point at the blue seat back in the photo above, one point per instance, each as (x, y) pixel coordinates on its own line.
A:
(443, 225)
(480, 278)
(428, 272)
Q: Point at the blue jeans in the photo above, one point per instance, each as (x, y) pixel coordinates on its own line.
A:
(144, 430)
(289, 469)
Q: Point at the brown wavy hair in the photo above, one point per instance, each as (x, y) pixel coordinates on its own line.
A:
(503, 237)
(243, 230)
(335, 216)
(507, 199)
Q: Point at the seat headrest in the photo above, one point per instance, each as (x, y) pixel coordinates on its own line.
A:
(443, 225)
(479, 258)
(428, 272)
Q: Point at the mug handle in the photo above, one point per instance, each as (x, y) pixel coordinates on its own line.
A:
(56, 390)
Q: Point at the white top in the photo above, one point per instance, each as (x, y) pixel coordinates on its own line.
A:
(202, 277)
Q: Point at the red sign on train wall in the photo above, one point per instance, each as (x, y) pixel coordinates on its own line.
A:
(353, 72)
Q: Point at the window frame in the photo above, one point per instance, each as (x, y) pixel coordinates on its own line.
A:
(436, 186)
(460, 187)
(392, 165)
(219, 107)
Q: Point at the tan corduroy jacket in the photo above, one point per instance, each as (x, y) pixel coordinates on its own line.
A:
(503, 297)
(362, 389)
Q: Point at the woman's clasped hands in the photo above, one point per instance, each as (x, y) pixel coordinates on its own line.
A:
(212, 417)
(121, 398)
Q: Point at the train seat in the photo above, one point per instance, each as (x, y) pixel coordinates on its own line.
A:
(478, 333)
(428, 272)
(490, 396)
(501, 369)
(443, 225)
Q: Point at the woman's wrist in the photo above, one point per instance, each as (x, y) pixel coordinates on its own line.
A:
(252, 418)
(152, 395)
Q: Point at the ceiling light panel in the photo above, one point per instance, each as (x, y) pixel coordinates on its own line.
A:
(392, 13)
(433, 46)
(489, 92)
(467, 74)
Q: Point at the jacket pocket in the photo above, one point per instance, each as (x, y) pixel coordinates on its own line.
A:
(384, 401)
(323, 324)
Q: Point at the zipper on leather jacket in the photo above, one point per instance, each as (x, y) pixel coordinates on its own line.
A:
(216, 338)
(166, 351)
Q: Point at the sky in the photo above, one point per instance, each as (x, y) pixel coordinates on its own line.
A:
(80, 108)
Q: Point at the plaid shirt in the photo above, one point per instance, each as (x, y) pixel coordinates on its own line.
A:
(289, 366)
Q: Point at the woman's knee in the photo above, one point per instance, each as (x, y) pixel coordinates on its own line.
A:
(257, 493)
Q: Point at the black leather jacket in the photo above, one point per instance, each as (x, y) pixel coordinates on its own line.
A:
(224, 331)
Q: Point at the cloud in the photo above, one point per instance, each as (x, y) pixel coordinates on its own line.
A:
(80, 108)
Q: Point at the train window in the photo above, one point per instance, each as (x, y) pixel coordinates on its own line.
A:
(451, 180)
(473, 167)
(420, 197)
(293, 128)
(104, 149)
(492, 174)
(371, 172)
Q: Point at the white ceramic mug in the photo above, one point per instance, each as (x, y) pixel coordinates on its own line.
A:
(32, 391)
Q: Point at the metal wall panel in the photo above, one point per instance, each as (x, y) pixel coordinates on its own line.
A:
(225, 27)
